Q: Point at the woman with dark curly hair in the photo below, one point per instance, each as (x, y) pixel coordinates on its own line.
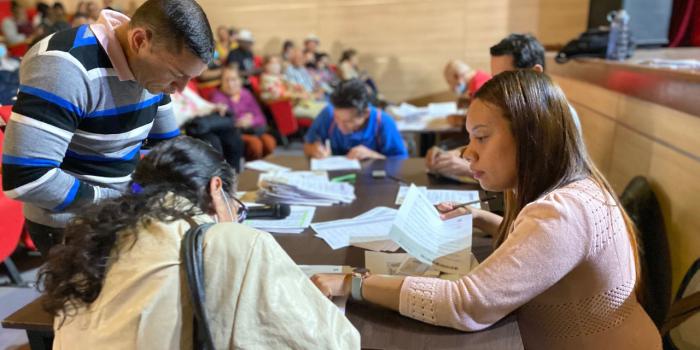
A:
(119, 282)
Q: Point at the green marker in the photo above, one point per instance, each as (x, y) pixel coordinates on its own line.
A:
(345, 178)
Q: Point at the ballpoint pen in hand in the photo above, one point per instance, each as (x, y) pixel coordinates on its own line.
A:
(461, 205)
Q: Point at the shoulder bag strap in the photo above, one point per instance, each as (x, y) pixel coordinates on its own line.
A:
(194, 269)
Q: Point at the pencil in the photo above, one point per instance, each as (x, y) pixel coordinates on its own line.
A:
(462, 205)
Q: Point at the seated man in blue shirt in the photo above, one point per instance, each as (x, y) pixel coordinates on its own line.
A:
(354, 128)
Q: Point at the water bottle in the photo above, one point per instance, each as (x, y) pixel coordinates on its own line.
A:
(619, 43)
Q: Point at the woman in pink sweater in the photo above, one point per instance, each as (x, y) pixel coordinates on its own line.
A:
(566, 261)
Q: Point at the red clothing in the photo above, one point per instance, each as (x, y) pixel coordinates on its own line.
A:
(479, 79)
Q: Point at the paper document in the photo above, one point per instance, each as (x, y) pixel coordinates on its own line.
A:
(442, 109)
(369, 230)
(419, 230)
(265, 166)
(335, 163)
(303, 188)
(299, 218)
(439, 196)
(310, 270)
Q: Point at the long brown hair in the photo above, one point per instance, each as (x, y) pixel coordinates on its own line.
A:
(550, 152)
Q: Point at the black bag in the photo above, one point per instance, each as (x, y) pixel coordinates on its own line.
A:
(203, 125)
(194, 269)
(592, 43)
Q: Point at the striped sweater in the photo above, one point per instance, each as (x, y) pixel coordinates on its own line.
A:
(76, 130)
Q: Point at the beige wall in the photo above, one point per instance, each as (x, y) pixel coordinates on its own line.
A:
(627, 137)
(402, 43)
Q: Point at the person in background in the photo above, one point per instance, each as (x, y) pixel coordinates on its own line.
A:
(516, 51)
(311, 44)
(566, 261)
(9, 77)
(348, 68)
(18, 30)
(287, 48)
(118, 283)
(297, 75)
(274, 87)
(208, 122)
(225, 42)
(243, 56)
(323, 74)
(66, 149)
(246, 112)
(79, 19)
(53, 21)
(463, 80)
(353, 127)
(93, 11)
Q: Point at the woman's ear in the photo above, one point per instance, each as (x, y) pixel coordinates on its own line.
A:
(215, 185)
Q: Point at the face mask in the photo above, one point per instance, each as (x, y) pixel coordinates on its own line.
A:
(459, 89)
(3, 50)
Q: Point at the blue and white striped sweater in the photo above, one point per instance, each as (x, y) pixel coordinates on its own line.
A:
(76, 130)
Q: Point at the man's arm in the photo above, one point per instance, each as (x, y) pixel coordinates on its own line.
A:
(41, 127)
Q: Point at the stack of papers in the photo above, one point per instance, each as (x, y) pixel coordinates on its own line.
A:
(369, 230)
(419, 230)
(299, 218)
(335, 163)
(441, 196)
(303, 188)
(265, 166)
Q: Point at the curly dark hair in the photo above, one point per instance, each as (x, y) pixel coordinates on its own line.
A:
(74, 273)
(525, 49)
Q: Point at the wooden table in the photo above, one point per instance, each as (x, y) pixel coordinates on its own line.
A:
(380, 328)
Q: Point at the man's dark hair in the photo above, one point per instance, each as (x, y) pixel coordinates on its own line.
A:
(351, 94)
(525, 49)
(177, 23)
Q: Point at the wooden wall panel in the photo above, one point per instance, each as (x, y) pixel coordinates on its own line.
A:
(598, 135)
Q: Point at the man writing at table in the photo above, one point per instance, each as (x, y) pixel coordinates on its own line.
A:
(88, 99)
(352, 127)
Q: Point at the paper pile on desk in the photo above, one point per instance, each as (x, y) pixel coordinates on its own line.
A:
(440, 196)
(265, 166)
(335, 163)
(299, 218)
(303, 188)
(369, 230)
(419, 230)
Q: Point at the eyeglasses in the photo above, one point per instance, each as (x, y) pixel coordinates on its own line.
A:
(242, 210)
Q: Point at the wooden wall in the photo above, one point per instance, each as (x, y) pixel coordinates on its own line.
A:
(402, 43)
(627, 137)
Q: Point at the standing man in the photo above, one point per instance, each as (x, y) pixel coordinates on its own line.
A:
(88, 99)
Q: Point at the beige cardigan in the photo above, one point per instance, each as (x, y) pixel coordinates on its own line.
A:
(566, 270)
(256, 296)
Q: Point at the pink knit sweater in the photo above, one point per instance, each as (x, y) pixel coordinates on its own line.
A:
(566, 269)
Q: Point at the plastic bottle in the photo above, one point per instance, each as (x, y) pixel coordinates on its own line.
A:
(619, 40)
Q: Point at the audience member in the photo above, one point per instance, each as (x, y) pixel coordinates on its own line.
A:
(463, 80)
(247, 114)
(120, 279)
(18, 30)
(274, 87)
(208, 122)
(243, 56)
(348, 68)
(225, 42)
(69, 148)
(287, 48)
(311, 44)
(353, 127)
(323, 73)
(297, 74)
(93, 11)
(567, 260)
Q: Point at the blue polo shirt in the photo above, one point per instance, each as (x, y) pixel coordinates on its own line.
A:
(382, 137)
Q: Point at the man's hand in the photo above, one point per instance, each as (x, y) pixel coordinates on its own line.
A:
(449, 163)
(316, 150)
(361, 152)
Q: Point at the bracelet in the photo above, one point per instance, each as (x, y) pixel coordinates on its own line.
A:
(358, 277)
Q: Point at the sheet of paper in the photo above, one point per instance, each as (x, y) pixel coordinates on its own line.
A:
(335, 163)
(442, 108)
(419, 230)
(265, 166)
(299, 218)
(371, 226)
(439, 196)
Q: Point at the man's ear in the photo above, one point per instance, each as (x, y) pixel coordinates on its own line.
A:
(139, 39)
(538, 68)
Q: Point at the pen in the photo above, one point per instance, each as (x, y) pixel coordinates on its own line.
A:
(466, 204)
